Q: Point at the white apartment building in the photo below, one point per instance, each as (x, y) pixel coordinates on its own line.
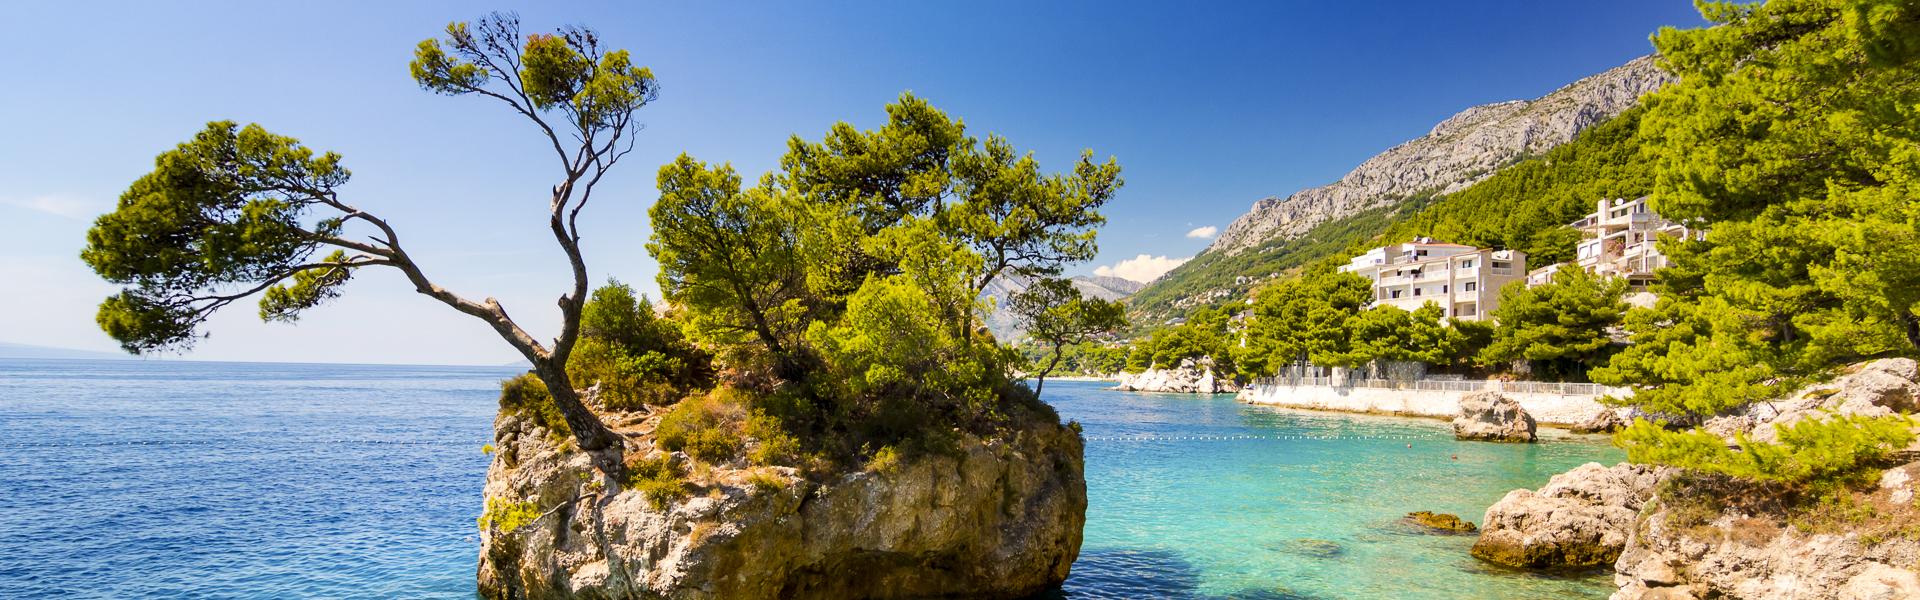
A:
(1619, 241)
(1465, 281)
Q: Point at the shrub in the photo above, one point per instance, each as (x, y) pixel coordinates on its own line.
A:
(706, 427)
(636, 357)
(773, 444)
(766, 481)
(525, 394)
(658, 479)
(507, 515)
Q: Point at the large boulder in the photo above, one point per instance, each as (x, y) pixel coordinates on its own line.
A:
(1581, 518)
(1606, 420)
(1881, 387)
(1190, 377)
(1490, 416)
(1686, 549)
(996, 518)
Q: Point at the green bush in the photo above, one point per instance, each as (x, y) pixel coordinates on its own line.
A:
(525, 394)
(636, 357)
(706, 427)
(658, 479)
(508, 515)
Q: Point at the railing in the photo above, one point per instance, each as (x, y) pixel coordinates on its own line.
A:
(1442, 385)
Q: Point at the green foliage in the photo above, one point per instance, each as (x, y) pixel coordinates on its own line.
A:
(851, 277)
(1057, 317)
(1793, 134)
(1817, 453)
(658, 479)
(565, 71)
(1388, 333)
(1562, 327)
(507, 516)
(1693, 359)
(1204, 336)
(525, 394)
(637, 358)
(706, 427)
(230, 209)
(1304, 320)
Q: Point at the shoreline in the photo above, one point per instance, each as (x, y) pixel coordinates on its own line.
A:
(1561, 411)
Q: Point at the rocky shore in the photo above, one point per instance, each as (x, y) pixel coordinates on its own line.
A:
(1672, 535)
(996, 518)
(1190, 377)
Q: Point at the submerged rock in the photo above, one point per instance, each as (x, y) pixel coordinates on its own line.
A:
(1581, 518)
(1492, 417)
(997, 518)
(1441, 521)
(1189, 378)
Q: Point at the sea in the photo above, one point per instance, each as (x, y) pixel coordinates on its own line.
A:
(187, 479)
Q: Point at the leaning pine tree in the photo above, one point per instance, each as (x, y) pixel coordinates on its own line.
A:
(241, 212)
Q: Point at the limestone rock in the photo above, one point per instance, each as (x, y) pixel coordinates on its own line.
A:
(1604, 421)
(999, 518)
(1459, 152)
(1493, 417)
(1580, 518)
(1441, 521)
(1740, 556)
(1189, 377)
(1880, 387)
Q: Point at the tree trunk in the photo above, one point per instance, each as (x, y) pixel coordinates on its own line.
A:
(588, 430)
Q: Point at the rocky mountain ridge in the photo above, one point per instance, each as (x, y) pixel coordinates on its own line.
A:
(1005, 327)
(1458, 152)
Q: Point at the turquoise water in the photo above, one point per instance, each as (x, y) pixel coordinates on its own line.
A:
(1223, 500)
(132, 479)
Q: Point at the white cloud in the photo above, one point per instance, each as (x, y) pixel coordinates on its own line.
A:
(1202, 233)
(59, 206)
(1142, 268)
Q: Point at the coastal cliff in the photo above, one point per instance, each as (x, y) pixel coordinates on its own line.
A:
(993, 518)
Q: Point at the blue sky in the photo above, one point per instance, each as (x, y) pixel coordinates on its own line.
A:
(1208, 106)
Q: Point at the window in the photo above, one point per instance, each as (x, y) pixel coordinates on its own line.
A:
(1470, 286)
(1396, 294)
(1443, 288)
(1501, 265)
(1416, 291)
(1466, 264)
(1465, 310)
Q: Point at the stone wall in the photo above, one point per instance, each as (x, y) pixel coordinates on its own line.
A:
(1562, 410)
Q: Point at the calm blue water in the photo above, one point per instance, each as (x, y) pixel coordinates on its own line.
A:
(161, 479)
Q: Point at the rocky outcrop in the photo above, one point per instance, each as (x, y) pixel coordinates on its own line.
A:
(1876, 388)
(1604, 421)
(995, 518)
(1681, 551)
(1723, 538)
(1492, 417)
(1458, 152)
(1189, 378)
(1581, 518)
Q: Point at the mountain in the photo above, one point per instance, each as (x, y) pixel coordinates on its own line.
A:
(10, 350)
(1460, 151)
(1006, 328)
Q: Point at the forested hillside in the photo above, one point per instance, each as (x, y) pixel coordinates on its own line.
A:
(1525, 206)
